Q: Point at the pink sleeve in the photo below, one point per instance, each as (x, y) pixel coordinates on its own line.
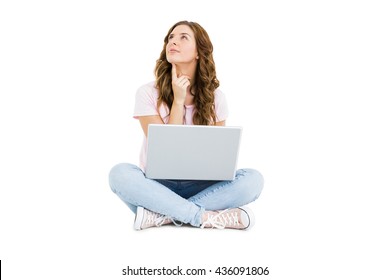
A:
(146, 101)
(221, 108)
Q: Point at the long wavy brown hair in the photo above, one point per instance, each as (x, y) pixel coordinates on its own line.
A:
(205, 84)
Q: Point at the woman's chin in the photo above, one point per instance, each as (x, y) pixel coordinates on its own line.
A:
(172, 60)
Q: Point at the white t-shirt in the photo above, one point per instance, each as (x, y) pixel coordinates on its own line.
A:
(146, 105)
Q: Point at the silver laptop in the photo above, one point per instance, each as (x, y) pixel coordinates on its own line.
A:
(192, 152)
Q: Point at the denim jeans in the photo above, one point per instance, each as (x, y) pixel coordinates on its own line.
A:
(183, 200)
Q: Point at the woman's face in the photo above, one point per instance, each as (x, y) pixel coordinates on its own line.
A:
(181, 47)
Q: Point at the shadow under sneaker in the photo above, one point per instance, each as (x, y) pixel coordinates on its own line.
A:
(234, 218)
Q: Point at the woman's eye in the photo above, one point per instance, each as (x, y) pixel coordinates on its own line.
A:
(184, 37)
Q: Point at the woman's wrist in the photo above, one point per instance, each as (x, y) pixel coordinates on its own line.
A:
(177, 112)
(178, 102)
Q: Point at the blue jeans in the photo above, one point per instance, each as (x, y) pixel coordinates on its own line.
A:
(183, 200)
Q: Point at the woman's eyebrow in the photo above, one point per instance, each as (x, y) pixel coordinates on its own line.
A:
(173, 34)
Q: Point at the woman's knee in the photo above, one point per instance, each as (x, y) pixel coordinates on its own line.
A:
(119, 173)
(255, 180)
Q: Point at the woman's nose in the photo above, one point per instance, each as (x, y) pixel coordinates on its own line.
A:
(174, 41)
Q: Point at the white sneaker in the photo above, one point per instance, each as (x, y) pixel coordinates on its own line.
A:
(234, 218)
(145, 219)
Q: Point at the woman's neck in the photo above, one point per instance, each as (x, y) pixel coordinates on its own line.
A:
(186, 69)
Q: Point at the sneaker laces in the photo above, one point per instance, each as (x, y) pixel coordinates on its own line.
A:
(156, 219)
(222, 219)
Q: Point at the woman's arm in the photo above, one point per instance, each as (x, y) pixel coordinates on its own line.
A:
(180, 84)
(146, 120)
(175, 117)
(179, 87)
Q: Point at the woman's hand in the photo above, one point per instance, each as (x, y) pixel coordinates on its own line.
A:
(179, 86)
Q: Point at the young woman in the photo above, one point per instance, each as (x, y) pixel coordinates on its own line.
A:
(185, 92)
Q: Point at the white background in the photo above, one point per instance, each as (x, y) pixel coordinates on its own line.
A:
(308, 81)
